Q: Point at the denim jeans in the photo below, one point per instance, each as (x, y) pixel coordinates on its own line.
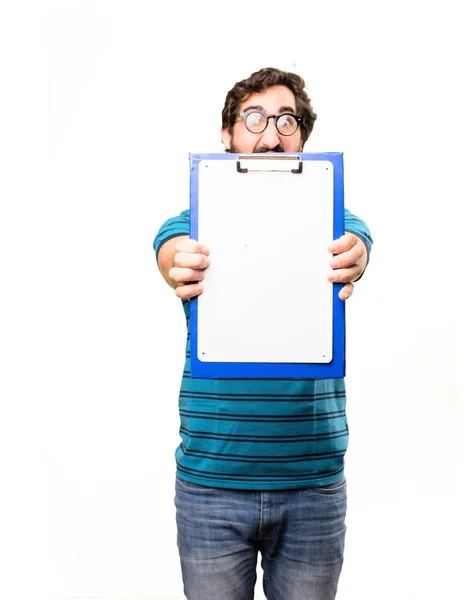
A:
(300, 534)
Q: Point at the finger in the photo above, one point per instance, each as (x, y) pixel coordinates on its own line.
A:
(182, 275)
(346, 291)
(192, 247)
(343, 243)
(347, 259)
(344, 275)
(186, 292)
(191, 261)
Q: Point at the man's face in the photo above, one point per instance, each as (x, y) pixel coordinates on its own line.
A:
(275, 100)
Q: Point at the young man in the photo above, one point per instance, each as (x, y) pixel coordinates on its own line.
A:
(260, 466)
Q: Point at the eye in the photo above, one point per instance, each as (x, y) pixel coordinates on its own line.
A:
(254, 120)
(286, 122)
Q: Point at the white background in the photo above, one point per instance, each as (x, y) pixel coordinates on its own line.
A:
(100, 104)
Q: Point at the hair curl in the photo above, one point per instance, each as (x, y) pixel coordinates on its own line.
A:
(257, 83)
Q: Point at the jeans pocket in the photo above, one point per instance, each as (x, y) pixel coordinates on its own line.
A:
(191, 486)
(331, 489)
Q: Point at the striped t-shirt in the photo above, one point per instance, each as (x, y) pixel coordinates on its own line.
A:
(260, 434)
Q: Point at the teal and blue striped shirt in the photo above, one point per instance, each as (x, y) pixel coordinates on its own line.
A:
(260, 434)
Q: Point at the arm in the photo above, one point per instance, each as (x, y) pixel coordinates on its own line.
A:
(182, 263)
(351, 252)
(165, 258)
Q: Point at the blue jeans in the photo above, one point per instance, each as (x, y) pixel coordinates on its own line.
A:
(300, 534)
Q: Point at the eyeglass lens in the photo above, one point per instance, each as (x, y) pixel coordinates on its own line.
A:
(256, 122)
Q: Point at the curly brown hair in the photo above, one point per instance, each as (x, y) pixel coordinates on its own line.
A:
(258, 82)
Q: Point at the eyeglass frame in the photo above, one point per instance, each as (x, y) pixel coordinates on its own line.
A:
(245, 115)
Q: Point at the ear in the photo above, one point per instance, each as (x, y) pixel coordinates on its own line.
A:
(226, 139)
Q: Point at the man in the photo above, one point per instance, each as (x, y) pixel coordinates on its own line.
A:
(260, 466)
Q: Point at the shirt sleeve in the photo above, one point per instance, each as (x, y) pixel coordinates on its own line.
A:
(174, 227)
(355, 225)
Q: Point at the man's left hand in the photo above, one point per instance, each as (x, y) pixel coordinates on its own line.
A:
(348, 264)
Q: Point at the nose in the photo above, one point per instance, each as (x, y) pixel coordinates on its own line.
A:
(270, 136)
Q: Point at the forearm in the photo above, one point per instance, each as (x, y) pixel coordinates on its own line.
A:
(165, 258)
(355, 225)
(363, 261)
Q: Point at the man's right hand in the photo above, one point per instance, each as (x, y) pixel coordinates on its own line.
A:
(189, 262)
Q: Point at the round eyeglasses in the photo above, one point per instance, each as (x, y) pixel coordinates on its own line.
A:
(257, 121)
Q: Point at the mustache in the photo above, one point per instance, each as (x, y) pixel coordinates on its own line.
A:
(263, 149)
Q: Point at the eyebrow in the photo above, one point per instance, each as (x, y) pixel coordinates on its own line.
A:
(282, 109)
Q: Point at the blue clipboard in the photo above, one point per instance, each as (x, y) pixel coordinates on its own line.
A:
(253, 211)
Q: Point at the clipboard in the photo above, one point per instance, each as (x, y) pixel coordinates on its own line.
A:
(267, 310)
